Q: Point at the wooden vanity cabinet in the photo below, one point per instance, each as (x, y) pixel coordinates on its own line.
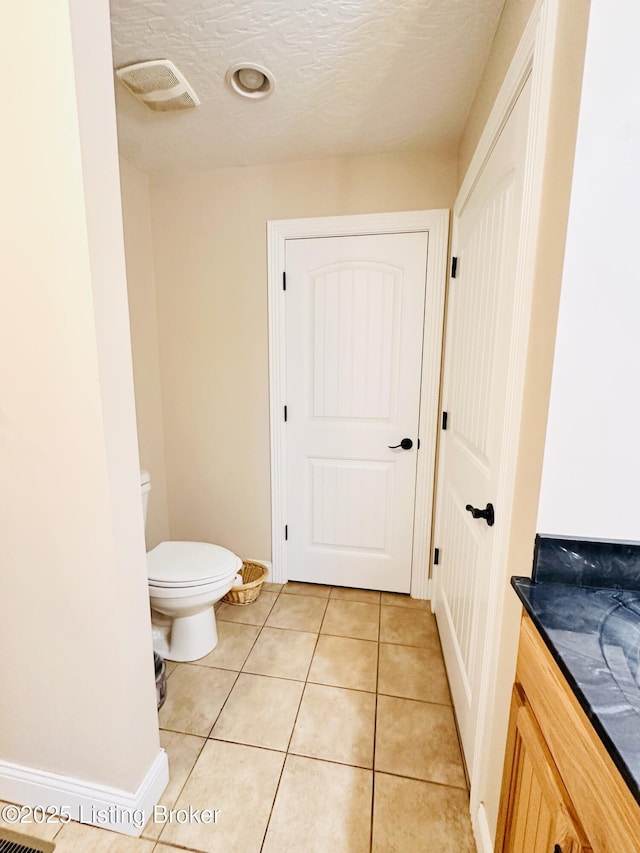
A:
(539, 816)
(561, 791)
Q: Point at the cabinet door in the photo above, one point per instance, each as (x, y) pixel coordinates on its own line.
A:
(536, 813)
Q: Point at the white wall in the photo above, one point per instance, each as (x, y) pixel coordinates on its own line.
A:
(78, 694)
(591, 474)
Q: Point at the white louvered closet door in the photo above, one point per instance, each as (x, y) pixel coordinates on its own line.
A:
(479, 323)
(354, 321)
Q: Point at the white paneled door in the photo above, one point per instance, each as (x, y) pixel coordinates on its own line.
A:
(477, 361)
(354, 328)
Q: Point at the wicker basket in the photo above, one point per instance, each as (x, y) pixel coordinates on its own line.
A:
(253, 575)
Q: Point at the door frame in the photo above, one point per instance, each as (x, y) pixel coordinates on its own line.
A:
(436, 224)
(534, 57)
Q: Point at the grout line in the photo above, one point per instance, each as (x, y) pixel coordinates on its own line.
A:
(273, 802)
(217, 739)
(172, 845)
(330, 761)
(224, 704)
(307, 595)
(184, 784)
(286, 754)
(304, 690)
(348, 637)
(341, 687)
(375, 731)
(307, 631)
(293, 728)
(413, 699)
(425, 781)
(239, 672)
(324, 616)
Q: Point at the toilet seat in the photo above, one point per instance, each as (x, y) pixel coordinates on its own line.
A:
(175, 565)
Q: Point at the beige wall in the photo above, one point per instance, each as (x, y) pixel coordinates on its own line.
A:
(209, 232)
(566, 85)
(136, 214)
(75, 627)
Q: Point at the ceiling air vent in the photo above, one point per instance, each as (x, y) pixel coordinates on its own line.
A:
(159, 85)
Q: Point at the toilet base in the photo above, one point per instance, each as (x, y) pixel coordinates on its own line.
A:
(185, 638)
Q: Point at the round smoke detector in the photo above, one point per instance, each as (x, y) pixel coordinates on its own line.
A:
(250, 80)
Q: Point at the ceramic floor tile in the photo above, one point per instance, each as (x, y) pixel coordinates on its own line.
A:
(248, 614)
(195, 695)
(413, 673)
(321, 808)
(354, 619)
(407, 627)
(410, 815)
(335, 724)
(43, 831)
(260, 711)
(76, 837)
(182, 752)
(170, 665)
(298, 613)
(396, 599)
(418, 739)
(272, 587)
(315, 589)
(343, 662)
(238, 781)
(282, 654)
(234, 644)
(369, 596)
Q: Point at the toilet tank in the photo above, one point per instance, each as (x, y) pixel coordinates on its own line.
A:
(145, 488)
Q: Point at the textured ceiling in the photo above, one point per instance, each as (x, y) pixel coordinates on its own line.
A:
(352, 77)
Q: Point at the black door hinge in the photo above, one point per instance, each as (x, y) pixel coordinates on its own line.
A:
(454, 267)
(436, 556)
(285, 414)
(286, 532)
(284, 281)
(445, 418)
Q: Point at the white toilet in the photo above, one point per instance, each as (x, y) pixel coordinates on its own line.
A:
(185, 581)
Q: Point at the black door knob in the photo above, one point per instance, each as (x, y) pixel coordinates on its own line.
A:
(405, 444)
(487, 513)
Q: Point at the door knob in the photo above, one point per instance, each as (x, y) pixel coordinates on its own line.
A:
(405, 444)
(486, 513)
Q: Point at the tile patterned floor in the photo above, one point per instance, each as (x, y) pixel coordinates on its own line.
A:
(321, 722)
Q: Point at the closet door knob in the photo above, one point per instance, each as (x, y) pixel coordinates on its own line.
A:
(405, 444)
(486, 513)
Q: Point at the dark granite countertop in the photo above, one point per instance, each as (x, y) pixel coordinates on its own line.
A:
(584, 599)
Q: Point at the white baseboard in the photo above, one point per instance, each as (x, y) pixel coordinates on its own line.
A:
(481, 831)
(109, 808)
(428, 589)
